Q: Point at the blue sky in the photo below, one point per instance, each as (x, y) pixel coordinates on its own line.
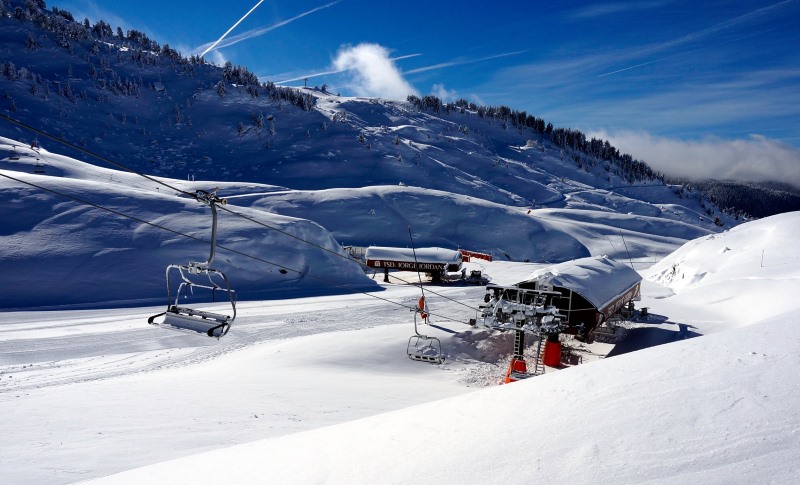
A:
(689, 77)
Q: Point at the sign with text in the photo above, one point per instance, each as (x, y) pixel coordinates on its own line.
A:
(406, 265)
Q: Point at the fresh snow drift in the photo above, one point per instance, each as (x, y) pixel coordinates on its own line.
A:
(423, 255)
(743, 275)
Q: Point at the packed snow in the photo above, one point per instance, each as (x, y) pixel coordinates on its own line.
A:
(422, 255)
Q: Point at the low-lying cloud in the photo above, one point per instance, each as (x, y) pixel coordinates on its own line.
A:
(443, 93)
(372, 72)
(755, 159)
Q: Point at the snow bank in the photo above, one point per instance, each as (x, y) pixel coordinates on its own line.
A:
(745, 274)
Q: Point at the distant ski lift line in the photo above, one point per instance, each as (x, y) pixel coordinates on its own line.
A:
(193, 196)
(92, 154)
(232, 27)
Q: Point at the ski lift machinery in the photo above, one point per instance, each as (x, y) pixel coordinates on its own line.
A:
(522, 311)
(194, 275)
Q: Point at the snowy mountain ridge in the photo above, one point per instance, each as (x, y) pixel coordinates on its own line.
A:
(124, 96)
(462, 176)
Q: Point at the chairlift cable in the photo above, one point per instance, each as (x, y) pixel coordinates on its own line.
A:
(195, 196)
(268, 226)
(189, 236)
(92, 154)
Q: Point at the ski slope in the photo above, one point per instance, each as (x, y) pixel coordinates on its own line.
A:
(89, 393)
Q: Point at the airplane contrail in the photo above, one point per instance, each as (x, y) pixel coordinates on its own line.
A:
(627, 68)
(458, 63)
(325, 73)
(233, 27)
(257, 32)
(699, 35)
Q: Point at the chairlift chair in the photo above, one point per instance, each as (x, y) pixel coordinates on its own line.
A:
(193, 275)
(422, 347)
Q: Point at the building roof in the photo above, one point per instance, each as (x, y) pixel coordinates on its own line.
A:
(598, 279)
(424, 255)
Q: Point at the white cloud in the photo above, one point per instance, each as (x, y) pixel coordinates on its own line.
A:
(478, 100)
(444, 94)
(217, 58)
(756, 159)
(372, 72)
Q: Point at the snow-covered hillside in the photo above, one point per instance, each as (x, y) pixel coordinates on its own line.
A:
(746, 274)
(63, 244)
(461, 176)
(60, 228)
(93, 392)
(144, 105)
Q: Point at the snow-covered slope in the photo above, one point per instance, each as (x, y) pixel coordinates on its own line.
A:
(53, 233)
(717, 409)
(131, 101)
(745, 274)
(462, 176)
(93, 392)
(59, 249)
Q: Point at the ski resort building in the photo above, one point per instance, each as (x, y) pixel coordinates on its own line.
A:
(434, 261)
(574, 297)
(594, 289)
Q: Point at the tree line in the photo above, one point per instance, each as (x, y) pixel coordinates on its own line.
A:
(630, 169)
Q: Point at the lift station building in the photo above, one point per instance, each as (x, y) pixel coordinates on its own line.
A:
(594, 289)
(434, 261)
